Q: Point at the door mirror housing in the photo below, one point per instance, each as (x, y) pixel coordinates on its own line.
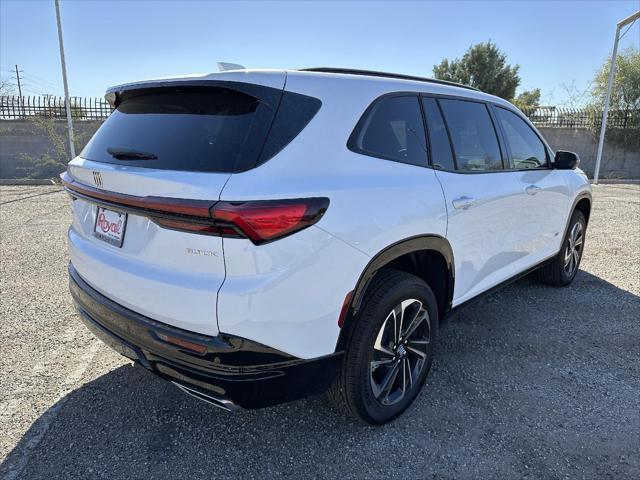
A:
(566, 160)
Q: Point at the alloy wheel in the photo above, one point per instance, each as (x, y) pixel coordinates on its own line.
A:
(400, 352)
(574, 249)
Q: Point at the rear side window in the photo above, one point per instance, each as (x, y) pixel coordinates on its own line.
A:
(195, 128)
(392, 129)
(474, 139)
(525, 147)
(441, 156)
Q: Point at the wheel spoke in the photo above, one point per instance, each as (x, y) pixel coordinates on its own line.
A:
(420, 317)
(388, 381)
(574, 233)
(378, 346)
(576, 257)
(409, 375)
(414, 350)
(397, 322)
(577, 242)
(567, 257)
(377, 363)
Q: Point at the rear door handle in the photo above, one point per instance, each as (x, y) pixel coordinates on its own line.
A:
(463, 203)
(532, 189)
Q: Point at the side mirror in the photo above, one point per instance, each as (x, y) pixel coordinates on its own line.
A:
(566, 160)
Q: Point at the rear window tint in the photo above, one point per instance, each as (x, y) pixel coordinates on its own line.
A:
(474, 139)
(294, 113)
(441, 156)
(202, 129)
(392, 129)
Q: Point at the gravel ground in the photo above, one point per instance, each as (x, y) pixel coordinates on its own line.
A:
(530, 382)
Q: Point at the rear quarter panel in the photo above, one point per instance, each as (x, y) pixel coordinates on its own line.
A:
(296, 286)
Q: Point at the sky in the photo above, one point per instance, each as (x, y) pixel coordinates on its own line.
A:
(558, 44)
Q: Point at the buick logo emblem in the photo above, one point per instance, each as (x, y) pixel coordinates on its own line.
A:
(97, 179)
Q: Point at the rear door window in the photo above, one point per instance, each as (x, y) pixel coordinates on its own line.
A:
(441, 155)
(473, 136)
(525, 147)
(392, 129)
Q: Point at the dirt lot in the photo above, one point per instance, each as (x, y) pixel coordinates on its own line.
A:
(530, 382)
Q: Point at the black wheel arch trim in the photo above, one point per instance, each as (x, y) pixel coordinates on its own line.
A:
(418, 243)
(581, 196)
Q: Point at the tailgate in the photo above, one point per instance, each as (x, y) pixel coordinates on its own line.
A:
(167, 275)
(143, 187)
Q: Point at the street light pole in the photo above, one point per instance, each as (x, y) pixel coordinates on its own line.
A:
(72, 148)
(605, 111)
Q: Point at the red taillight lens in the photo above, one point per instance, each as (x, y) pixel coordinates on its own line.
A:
(263, 221)
(260, 221)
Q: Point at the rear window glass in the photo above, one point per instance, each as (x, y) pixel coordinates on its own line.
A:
(203, 129)
(392, 129)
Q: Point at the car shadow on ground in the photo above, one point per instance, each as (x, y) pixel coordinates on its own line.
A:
(531, 380)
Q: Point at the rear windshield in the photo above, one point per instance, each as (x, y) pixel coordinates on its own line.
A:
(203, 129)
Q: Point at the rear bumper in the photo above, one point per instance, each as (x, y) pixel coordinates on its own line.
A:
(232, 372)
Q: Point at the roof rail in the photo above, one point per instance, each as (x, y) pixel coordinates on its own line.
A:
(373, 73)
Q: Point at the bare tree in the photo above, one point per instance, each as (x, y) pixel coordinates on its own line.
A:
(6, 88)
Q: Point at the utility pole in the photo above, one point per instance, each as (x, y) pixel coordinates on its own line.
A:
(18, 79)
(72, 148)
(612, 71)
(19, 89)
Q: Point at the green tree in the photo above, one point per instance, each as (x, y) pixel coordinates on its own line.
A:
(625, 94)
(625, 99)
(483, 66)
(528, 100)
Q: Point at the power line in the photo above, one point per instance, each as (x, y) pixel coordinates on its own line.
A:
(33, 78)
(45, 88)
(39, 84)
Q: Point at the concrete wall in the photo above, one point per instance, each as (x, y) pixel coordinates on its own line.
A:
(23, 138)
(617, 161)
(19, 138)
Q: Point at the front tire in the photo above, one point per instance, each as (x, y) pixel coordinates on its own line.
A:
(390, 349)
(563, 268)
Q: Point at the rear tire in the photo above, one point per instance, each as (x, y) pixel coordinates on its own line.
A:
(389, 350)
(561, 271)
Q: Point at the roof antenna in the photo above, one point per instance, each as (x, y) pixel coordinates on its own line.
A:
(224, 66)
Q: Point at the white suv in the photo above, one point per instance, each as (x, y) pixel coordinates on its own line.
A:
(259, 236)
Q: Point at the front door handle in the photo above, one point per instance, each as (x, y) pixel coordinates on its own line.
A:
(532, 189)
(463, 203)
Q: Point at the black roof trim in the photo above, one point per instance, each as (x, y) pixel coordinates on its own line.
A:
(373, 73)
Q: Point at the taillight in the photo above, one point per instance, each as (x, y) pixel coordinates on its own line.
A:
(266, 220)
(260, 220)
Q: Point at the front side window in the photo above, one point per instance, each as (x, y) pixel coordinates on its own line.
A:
(393, 130)
(474, 139)
(526, 149)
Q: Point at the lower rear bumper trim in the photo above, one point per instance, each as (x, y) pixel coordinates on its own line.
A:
(233, 373)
